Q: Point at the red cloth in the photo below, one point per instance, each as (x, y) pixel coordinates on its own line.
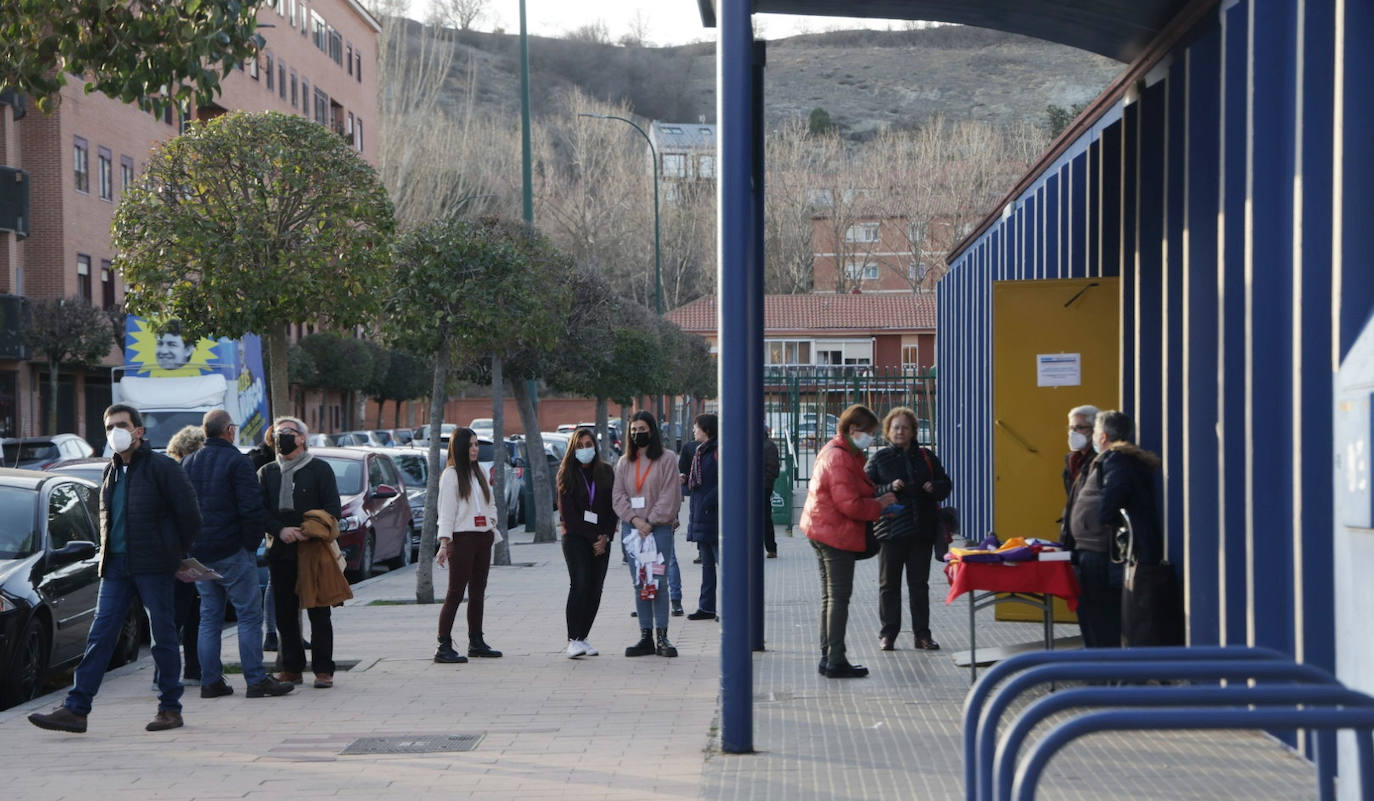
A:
(1044, 578)
(840, 499)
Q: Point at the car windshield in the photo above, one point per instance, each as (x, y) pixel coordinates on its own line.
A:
(348, 474)
(26, 452)
(93, 472)
(383, 437)
(18, 537)
(412, 466)
(161, 426)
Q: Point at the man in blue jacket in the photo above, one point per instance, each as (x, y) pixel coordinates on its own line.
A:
(148, 520)
(232, 525)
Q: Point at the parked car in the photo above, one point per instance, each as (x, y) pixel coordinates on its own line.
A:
(401, 436)
(612, 431)
(49, 582)
(566, 428)
(375, 523)
(514, 478)
(380, 438)
(482, 426)
(346, 439)
(92, 469)
(421, 438)
(414, 466)
(553, 450)
(39, 453)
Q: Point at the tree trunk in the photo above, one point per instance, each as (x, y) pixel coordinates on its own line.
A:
(500, 456)
(53, 383)
(398, 415)
(538, 469)
(424, 568)
(279, 378)
(603, 431)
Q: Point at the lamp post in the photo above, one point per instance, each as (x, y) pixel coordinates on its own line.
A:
(658, 262)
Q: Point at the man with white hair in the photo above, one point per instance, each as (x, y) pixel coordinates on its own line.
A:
(1080, 444)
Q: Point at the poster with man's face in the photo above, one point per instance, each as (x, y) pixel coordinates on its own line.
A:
(172, 351)
(164, 352)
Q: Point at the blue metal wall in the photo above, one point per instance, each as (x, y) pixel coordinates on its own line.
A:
(1229, 191)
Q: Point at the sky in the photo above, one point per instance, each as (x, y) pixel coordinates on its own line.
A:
(670, 22)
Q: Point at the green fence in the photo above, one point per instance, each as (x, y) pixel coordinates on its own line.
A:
(802, 406)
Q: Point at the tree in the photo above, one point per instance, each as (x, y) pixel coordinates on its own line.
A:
(252, 223)
(149, 52)
(819, 121)
(460, 14)
(407, 377)
(68, 332)
(1058, 118)
(454, 290)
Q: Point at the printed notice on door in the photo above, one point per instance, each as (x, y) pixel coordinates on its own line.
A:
(1058, 370)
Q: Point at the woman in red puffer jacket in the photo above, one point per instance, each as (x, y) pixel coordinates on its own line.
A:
(839, 503)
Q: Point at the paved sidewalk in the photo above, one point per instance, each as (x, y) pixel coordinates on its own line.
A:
(602, 727)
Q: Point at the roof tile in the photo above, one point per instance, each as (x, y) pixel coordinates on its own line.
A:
(823, 312)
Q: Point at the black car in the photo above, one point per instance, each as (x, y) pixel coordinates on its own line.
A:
(49, 560)
(38, 453)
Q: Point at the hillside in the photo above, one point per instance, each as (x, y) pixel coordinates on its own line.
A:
(864, 79)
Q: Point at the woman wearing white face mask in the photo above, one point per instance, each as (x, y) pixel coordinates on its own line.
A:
(585, 485)
(839, 505)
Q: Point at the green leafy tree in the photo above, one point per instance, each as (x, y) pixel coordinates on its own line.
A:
(1058, 117)
(343, 363)
(252, 223)
(407, 377)
(150, 52)
(455, 287)
(70, 333)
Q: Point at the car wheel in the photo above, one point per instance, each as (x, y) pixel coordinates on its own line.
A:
(403, 558)
(369, 551)
(130, 637)
(29, 667)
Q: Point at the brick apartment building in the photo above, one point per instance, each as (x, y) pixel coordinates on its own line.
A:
(879, 253)
(319, 60)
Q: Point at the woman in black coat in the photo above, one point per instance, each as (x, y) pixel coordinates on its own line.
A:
(703, 484)
(915, 476)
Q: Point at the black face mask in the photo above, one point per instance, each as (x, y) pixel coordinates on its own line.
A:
(640, 438)
(286, 443)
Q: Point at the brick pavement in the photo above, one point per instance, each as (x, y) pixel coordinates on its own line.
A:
(603, 727)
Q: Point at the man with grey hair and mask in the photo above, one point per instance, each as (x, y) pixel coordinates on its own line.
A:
(293, 484)
(1080, 444)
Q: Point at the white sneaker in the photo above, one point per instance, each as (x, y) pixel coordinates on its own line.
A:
(590, 650)
(576, 648)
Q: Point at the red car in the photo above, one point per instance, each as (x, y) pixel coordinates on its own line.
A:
(375, 523)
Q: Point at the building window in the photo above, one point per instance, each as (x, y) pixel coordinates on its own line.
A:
(348, 56)
(81, 158)
(305, 98)
(348, 126)
(674, 165)
(281, 80)
(911, 355)
(105, 173)
(293, 89)
(783, 351)
(916, 233)
(335, 46)
(83, 276)
(358, 65)
(863, 232)
(358, 134)
(253, 67)
(126, 173)
(320, 37)
(706, 166)
(321, 108)
(860, 270)
(271, 73)
(107, 294)
(842, 352)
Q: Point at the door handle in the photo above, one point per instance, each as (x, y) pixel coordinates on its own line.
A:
(1002, 425)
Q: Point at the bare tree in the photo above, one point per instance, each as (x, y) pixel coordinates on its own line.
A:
(460, 14)
(788, 209)
(637, 34)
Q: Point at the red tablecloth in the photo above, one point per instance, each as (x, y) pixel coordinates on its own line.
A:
(1044, 578)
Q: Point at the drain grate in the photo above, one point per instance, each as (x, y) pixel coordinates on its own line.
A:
(413, 744)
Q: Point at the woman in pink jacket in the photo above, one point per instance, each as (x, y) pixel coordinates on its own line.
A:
(839, 504)
(647, 496)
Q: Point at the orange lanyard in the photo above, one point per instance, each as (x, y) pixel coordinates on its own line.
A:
(639, 480)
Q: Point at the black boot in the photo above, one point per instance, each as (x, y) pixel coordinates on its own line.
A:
(645, 646)
(445, 654)
(478, 647)
(665, 648)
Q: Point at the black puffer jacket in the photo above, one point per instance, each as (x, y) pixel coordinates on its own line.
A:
(914, 466)
(162, 517)
(314, 487)
(230, 501)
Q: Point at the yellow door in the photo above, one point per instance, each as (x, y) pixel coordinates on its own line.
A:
(1055, 345)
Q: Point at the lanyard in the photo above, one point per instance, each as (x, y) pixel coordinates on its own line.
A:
(591, 491)
(639, 480)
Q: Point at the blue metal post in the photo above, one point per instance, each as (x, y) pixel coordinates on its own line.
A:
(755, 352)
(741, 347)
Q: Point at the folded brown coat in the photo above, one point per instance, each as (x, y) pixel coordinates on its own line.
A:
(319, 576)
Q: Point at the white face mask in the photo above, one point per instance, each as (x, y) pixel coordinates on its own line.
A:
(1098, 446)
(1077, 440)
(120, 440)
(862, 440)
(585, 455)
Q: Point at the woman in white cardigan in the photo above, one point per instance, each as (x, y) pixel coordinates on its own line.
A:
(467, 522)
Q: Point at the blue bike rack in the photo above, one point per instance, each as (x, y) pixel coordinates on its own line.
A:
(1360, 719)
(978, 694)
(1154, 697)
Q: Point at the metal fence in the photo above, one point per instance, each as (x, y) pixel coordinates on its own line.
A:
(802, 405)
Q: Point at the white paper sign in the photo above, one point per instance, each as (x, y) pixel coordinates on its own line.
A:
(1058, 370)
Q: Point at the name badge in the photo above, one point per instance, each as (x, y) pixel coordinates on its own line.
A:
(480, 521)
(589, 516)
(637, 503)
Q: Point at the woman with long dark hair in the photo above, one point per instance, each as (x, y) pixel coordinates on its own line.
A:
(467, 519)
(647, 498)
(584, 502)
(703, 528)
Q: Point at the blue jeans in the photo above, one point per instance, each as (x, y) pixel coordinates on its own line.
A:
(652, 614)
(710, 554)
(118, 588)
(674, 573)
(240, 587)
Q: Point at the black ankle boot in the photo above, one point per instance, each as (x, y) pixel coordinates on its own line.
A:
(645, 646)
(445, 654)
(665, 648)
(478, 647)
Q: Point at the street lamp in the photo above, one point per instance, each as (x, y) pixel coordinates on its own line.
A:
(658, 263)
